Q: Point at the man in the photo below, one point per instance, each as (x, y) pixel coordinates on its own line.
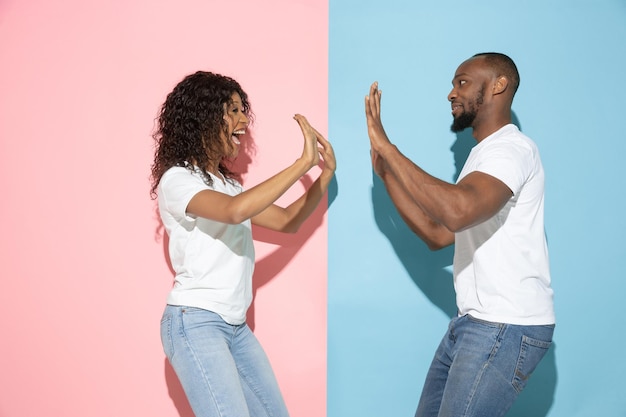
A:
(494, 216)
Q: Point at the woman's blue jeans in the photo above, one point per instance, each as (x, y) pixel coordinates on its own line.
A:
(480, 368)
(222, 368)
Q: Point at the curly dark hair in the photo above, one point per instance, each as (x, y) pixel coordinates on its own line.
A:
(190, 123)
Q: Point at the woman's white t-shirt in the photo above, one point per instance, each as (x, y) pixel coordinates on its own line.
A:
(213, 261)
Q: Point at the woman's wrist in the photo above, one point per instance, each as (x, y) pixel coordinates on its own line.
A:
(327, 175)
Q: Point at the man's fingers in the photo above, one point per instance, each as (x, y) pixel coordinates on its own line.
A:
(372, 101)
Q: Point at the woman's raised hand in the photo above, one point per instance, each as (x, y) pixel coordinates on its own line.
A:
(315, 145)
(327, 152)
(310, 152)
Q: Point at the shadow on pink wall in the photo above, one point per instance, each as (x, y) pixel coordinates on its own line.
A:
(265, 269)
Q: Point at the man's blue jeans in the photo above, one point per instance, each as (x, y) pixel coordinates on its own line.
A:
(480, 368)
(222, 367)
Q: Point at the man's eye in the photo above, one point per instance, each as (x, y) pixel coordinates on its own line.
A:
(462, 82)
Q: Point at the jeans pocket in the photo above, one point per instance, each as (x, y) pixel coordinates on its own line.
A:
(166, 336)
(531, 353)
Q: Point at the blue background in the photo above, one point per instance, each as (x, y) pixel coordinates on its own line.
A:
(390, 298)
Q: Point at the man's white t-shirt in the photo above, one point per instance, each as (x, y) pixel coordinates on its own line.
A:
(213, 261)
(501, 266)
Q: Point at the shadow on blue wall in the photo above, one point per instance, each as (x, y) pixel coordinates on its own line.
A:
(538, 396)
(429, 271)
(425, 267)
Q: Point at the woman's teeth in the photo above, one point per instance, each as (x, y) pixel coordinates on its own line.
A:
(236, 133)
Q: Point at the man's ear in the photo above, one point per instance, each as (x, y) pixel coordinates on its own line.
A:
(501, 85)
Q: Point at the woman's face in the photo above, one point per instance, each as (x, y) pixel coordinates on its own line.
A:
(237, 122)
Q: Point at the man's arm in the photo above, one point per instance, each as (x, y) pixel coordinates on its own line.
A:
(476, 198)
(434, 234)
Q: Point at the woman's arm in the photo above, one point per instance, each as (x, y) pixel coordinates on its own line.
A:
(289, 219)
(236, 209)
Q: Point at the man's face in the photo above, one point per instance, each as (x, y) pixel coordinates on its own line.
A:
(464, 114)
(468, 93)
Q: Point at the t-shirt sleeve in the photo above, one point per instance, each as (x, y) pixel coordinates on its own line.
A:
(177, 188)
(510, 163)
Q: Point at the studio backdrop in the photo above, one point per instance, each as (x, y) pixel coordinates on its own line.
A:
(350, 309)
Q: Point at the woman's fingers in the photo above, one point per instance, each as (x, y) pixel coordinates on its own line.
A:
(324, 148)
(310, 139)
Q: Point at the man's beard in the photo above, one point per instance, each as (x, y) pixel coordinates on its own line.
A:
(463, 121)
(466, 119)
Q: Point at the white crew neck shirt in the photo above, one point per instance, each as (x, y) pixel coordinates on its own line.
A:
(501, 266)
(213, 261)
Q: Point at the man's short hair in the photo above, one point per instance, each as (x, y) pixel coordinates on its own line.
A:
(502, 65)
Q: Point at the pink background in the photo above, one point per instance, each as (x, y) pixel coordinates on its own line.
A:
(85, 274)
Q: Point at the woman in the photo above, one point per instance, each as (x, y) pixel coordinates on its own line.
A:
(208, 218)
